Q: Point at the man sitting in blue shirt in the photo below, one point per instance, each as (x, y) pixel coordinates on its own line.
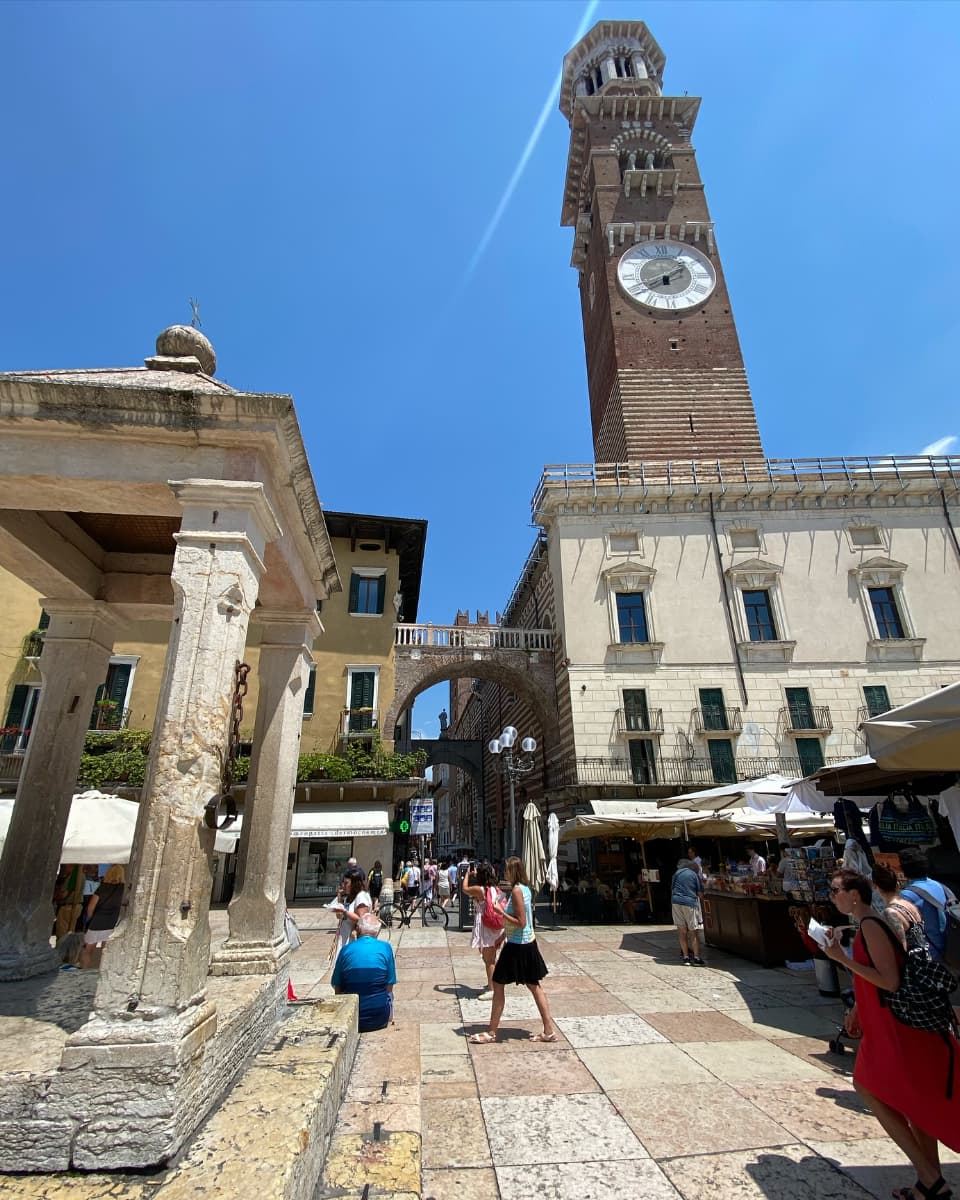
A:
(365, 968)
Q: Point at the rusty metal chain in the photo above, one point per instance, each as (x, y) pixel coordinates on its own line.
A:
(224, 798)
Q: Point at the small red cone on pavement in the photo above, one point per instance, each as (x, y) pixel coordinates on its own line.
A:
(291, 994)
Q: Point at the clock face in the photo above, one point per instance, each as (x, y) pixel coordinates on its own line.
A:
(666, 277)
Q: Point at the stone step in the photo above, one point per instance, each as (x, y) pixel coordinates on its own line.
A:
(268, 1138)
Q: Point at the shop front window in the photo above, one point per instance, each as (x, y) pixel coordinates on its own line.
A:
(320, 866)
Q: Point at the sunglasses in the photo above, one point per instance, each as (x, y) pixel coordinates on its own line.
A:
(835, 890)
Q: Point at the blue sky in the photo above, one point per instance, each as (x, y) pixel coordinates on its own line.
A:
(324, 178)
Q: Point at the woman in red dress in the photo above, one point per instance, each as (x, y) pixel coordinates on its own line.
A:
(901, 1072)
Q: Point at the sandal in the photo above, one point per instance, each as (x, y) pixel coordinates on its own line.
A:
(482, 1039)
(547, 1037)
(936, 1191)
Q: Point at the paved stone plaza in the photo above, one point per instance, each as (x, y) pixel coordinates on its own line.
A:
(704, 1082)
(668, 1081)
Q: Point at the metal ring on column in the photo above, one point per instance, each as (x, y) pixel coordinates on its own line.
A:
(211, 811)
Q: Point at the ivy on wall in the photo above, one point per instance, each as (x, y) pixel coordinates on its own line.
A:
(120, 757)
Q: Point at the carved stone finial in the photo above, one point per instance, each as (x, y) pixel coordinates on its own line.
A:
(183, 341)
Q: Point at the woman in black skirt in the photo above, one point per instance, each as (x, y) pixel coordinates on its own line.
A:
(520, 959)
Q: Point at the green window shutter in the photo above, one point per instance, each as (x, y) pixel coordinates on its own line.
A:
(18, 702)
(643, 763)
(44, 622)
(311, 691)
(878, 701)
(810, 753)
(722, 761)
(354, 593)
(361, 689)
(118, 680)
(635, 711)
(713, 708)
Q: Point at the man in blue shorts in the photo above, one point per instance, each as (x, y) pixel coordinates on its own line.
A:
(365, 968)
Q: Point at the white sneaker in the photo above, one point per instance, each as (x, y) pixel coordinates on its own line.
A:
(486, 994)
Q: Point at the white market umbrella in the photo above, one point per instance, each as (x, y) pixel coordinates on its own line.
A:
(553, 846)
(534, 859)
(763, 794)
(923, 735)
(100, 828)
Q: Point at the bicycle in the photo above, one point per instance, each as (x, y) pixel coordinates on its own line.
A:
(399, 915)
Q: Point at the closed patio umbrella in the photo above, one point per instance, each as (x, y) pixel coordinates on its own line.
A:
(553, 845)
(534, 859)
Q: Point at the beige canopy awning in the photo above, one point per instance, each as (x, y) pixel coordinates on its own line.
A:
(923, 735)
(643, 821)
(332, 821)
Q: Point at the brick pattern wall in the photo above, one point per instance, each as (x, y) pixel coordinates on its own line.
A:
(660, 386)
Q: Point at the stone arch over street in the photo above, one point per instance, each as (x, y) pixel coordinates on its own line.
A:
(529, 674)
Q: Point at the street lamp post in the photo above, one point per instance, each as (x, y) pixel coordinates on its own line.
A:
(513, 766)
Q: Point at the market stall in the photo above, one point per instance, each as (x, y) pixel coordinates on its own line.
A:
(750, 915)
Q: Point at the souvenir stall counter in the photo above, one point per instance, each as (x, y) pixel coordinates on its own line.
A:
(750, 917)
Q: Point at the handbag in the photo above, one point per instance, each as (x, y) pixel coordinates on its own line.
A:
(951, 912)
(491, 916)
(922, 1000)
(292, 931)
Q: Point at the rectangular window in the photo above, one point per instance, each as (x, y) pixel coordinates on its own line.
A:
(20, 715)
(877, 700)
(885, 612)
(722, 761)
(636, 715)
(759, 610)
(643, 762)
(810, 753)
(713, 709)
(367, 593)
(308, 698)
(799, 708)
(632, 617)
(110, 706)
(362, 690)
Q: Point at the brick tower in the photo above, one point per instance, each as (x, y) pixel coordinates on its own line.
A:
(664, 366)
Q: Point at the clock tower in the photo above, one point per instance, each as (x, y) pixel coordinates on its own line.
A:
(664, 366)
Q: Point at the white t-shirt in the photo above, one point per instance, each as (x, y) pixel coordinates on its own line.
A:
(346, 928)
(758, 865)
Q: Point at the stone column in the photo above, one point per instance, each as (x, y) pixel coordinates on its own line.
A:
(76, 654)
(257, 943)
(156, 963)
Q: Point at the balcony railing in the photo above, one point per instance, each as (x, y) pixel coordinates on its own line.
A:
(864, 475)
(631, 721)
(33, 645)
(667, 772)
(812, 718)
(106, 717)
(10, 767)
(864, 713)
(474, 637)
(359, 722)
(716, 718)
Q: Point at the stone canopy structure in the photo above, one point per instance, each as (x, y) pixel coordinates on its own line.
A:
(158, 492)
